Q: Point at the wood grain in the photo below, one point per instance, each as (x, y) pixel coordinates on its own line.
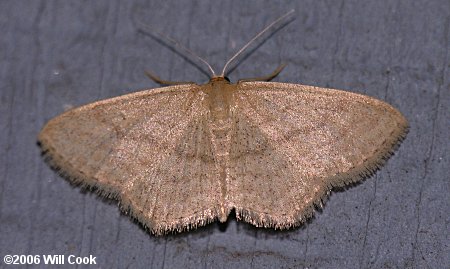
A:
(58, 55)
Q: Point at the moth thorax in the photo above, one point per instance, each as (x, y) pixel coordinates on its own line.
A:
(220, 98)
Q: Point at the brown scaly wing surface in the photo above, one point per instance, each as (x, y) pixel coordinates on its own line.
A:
(150, 150)
(292, 143)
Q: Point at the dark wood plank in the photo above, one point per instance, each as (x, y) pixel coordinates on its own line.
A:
(55, 55)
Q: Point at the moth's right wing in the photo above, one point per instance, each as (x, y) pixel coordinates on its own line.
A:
(292, 143)
(151, 150)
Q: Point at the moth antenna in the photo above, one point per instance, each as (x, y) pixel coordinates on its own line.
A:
(254, 38)
(176, 44)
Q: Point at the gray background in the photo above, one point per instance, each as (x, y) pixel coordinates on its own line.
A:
(59, 54)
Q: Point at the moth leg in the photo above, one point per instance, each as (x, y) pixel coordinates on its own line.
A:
(165, 82)
(265, 78)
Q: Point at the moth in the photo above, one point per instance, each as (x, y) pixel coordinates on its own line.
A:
(185, 155)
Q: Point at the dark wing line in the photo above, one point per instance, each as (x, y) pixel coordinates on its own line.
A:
(321, 91)
(274, 119)
(149, 173)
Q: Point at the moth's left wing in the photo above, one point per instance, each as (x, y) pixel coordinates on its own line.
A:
(151, 150)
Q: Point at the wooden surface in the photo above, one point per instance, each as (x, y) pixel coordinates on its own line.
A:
(59, 54)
